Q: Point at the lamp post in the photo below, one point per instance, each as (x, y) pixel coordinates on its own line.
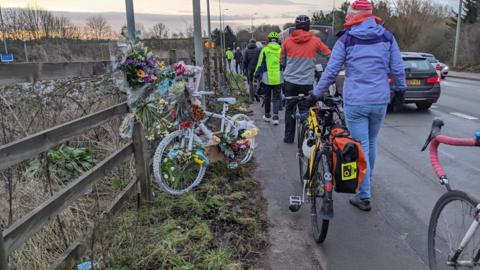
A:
(457, 35)
(130, 19)
(333, 17)
(223, 30)
(209, 21)
(251, 28)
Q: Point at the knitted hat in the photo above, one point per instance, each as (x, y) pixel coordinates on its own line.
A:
(358, 7)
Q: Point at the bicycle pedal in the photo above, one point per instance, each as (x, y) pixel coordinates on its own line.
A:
(295, 203)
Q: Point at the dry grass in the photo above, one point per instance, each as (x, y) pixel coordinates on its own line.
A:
(26, 109)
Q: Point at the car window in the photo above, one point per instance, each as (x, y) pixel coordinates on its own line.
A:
(431, 59)
(417, 65)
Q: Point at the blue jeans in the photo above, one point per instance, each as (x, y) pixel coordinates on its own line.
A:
(364, 122)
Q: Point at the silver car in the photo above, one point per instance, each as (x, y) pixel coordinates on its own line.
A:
(441, 68)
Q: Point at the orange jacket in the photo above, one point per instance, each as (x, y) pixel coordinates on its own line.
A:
(299, 52)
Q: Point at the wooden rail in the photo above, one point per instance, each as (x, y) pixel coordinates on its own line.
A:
(13, 153)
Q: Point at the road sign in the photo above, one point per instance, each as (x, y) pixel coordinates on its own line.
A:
(6, 57)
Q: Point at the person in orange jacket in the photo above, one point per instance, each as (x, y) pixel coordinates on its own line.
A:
(299, 52)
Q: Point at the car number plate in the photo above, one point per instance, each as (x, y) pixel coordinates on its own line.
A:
(414, 82)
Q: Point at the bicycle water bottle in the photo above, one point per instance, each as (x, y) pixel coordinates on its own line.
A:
(477, 136)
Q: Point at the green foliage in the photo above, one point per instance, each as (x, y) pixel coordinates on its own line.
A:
(67, 162)
(217, 227)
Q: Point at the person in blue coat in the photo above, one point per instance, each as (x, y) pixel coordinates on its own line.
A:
(370, 54)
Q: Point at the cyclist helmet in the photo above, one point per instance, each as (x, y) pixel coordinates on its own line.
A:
(273, 35)
(302, 22)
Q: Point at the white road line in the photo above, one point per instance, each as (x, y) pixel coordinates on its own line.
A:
(465, 116)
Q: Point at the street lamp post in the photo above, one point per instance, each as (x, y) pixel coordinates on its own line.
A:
(457, 35)
(251, 28)
(209, 21)
(223, 30)
(130, 19)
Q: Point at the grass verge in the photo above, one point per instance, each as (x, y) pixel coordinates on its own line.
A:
(220, 225)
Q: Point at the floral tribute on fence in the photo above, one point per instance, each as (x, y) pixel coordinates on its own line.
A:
(161, 99)
(159, 95)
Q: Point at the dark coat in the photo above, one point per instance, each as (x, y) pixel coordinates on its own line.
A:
(251, 57)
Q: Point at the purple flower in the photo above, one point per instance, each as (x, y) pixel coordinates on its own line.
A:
(130, 62)
(148, 79)
(151, 63)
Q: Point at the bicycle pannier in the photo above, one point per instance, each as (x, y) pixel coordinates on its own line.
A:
(349, 163)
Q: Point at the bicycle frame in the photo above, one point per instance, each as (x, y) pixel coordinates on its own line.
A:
(435, 140)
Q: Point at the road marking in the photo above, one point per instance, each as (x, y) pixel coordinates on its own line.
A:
(465, 116)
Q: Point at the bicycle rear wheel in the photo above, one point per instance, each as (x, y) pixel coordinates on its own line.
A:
(451, 218)
(319, 196)
(175, 171)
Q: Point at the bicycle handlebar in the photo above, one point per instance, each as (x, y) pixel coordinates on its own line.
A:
(435, 139)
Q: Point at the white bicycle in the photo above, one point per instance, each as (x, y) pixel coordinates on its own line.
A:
(180, 162)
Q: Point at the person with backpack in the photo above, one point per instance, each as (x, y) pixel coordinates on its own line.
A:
(250, 63)
(238, 60)
(229, 56)
(268, 71)
(370, 54)
(299, 52)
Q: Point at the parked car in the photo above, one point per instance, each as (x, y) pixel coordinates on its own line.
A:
(423, 81)
(439, 66)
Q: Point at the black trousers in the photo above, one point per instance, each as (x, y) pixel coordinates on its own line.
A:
(272, 95)
(292, 89)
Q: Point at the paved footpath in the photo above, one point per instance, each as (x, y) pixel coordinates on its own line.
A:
(356, 240)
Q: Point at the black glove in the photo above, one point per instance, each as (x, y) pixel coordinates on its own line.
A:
(398, 101)
(311, 100)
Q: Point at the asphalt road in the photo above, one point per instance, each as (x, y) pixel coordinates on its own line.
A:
(394, 234)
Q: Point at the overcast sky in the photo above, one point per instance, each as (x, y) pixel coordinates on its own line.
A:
(177, 14)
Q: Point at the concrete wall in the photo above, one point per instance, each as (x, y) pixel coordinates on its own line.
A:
(29, 72)
(56, 59)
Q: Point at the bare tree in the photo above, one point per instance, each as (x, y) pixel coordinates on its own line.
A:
(97, 27)
(159, 30)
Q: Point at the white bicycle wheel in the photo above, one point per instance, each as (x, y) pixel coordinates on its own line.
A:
(247, 156)
(171, 174)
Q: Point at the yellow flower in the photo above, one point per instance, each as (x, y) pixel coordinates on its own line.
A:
(198, 161)
(247, 134)
(240, 141)
(255, 132)
(160, 64)
(141, 73)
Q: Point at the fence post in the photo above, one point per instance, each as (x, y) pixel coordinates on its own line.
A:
(141, 164)
(172, 56)
(3, 254)
(216, 71)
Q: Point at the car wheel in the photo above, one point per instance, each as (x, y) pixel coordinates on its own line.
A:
(423, 106)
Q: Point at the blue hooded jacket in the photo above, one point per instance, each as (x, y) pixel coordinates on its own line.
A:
(370, 54)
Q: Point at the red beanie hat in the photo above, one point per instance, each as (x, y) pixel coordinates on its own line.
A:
(362, 5)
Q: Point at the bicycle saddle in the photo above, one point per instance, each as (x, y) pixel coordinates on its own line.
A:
(230, 101)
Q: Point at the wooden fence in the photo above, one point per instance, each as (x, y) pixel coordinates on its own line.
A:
(11, 154)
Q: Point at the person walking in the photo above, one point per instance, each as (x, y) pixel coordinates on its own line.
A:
(299, 52)
(370, 54)
(238, 60)
(250, 63)
(268, 71)
(229, 56)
